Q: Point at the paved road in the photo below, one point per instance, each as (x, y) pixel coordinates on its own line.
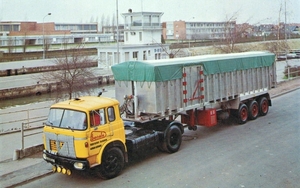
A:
(26, 63)
(30, 63)
(261, 153)
(32, 79)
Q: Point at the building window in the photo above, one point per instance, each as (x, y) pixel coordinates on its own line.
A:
(126, 36)
(145, 55)
(135, 55)
(16, 28)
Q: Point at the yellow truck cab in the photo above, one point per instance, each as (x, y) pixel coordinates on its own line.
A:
(83, 133)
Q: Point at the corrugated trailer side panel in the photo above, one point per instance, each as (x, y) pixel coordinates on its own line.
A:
(167, 86)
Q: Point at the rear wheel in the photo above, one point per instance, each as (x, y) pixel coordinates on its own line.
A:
(242, 114)
(253, 109)
(263, 106)
(112, 163)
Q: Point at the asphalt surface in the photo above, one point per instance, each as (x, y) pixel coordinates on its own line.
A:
(13, 173)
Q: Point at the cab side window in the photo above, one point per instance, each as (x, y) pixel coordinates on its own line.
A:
(97, 117)
(102, 117)
(111, 114)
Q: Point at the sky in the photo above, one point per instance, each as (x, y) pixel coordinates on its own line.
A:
(83, 11)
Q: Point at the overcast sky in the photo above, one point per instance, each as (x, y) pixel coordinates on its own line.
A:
(74, 11)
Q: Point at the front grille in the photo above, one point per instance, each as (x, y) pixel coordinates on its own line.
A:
(59, 144)
(53, 145)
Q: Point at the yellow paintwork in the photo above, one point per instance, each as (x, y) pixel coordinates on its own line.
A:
(96, 137)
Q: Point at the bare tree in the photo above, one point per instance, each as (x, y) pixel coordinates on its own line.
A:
(113, 26)
(92, 19)
(171, 53)
(102, 22)
(232, 33)
(107, 21)
(47, 43)
(25, 43)
(277, 47)
(113, 20)
(10, 44)
(73, 74)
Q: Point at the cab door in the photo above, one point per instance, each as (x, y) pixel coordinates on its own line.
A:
(116, 123)
(100, 131)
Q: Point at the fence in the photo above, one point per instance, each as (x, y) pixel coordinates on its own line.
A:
(292, 72)
(287, 70)
(29, 119)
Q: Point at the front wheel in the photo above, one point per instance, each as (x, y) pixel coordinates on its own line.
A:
(112, 163)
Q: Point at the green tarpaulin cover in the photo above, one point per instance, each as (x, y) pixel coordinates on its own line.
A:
(170, 69)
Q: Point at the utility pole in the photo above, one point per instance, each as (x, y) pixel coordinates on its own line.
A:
(44, 35)
(285, 39)
(117, 12)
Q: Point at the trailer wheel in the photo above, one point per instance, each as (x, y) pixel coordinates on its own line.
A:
(242, 114)
(173, 139)
(112, 163)
(253, 110)
(263, 106)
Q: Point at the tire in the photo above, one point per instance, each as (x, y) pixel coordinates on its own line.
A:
(263, 106)
(173, 139)
(242, 114)
(112, 163)
(253, 110)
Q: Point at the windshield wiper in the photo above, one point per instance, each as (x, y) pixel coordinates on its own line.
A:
(49, 123)
(70, 128)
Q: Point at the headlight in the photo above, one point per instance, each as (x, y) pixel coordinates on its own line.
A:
(78, 165)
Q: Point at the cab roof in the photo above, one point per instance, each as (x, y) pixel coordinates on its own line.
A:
(86, 103)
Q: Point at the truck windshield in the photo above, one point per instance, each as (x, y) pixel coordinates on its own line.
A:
(69, 119)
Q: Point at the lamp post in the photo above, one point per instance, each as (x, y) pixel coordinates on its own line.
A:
(44, 35)
(190, 34)
(118, 47)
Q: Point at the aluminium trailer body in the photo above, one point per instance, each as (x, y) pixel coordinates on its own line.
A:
(197, 87)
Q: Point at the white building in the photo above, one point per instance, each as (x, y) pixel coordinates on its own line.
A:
(209, 30)
(142, 40)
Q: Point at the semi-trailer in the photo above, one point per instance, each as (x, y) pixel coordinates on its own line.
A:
(155, 100)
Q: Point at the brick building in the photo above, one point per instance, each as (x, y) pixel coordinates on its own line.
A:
(20, 33)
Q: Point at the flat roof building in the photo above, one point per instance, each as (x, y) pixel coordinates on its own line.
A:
(142, 40)
(32, 33)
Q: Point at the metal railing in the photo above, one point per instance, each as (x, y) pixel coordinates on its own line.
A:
(292, 72)
(30, 119)
(23, 135)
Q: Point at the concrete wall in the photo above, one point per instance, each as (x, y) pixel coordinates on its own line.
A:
(30, 70)
(39, 89)
(19, 153)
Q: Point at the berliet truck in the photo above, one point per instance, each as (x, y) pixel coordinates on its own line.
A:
(155, 101)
